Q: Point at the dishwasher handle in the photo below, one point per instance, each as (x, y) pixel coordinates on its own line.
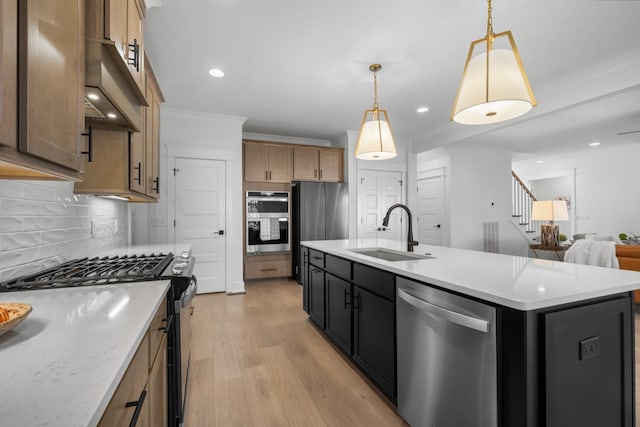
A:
(451, 316)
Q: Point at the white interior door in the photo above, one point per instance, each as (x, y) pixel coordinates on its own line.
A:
(377, 191)
(392, 194)
(200, 218)
(431, 210)
(369, 202)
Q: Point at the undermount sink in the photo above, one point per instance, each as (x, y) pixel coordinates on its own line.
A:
(390, 255)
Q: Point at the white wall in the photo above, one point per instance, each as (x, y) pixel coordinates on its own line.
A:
(191, 134)
(477, 190)
(42, 224)
(607, 198)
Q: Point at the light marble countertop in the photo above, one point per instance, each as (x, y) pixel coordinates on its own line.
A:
(517, 282)
(62, 364)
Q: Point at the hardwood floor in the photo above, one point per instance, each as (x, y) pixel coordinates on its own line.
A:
(257, 361)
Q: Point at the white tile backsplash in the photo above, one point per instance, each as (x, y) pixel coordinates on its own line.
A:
(42, 224)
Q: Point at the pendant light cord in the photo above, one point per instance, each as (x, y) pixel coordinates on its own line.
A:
(490, 37)
(375, 68)
(375, 90)
(490, 34)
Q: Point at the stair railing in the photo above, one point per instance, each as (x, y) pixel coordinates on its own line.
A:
(522, 203)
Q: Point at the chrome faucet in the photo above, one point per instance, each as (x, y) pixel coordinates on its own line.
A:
(385, 222)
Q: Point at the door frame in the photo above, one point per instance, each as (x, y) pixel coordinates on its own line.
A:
(446, 210)
(403, 196)
(232, 230)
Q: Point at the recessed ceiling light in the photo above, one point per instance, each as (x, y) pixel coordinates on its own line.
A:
(539, 161)
(216, 72)
(594, 144)
(93, 97)
(422, 109)
(111, 115)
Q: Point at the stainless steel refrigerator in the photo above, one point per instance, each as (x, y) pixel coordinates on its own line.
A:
(318, 212)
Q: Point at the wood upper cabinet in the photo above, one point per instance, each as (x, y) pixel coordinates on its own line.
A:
(118, 162)
(123, 25)
(41, 87)
(317, 164)
(267, 163)
(8, 69)
(137, 162)
(152, 133)
(135, 59)
(126, 164)
(331, 165)
(305, 164)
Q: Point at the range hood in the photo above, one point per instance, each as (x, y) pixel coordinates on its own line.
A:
(112, 97)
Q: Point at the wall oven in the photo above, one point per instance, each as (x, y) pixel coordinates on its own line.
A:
(268, 222)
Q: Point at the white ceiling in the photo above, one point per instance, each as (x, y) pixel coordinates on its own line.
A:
(300, 68)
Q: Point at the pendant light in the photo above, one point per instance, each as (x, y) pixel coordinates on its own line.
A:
(375, 141)
(494, 86)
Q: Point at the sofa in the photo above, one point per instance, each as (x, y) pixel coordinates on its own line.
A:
(629, 259)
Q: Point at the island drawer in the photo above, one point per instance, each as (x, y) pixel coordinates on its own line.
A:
(377, 281)
(339, 267)
(316, 258)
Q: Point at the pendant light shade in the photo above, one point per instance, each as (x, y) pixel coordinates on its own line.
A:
(494, 86)
(375, 141)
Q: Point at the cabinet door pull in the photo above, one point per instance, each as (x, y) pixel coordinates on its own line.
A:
(320, 174)
(315, 173)
(89, 151)
(134, 49)
(269, 175)
(266, 175)
(139, 169)
(166, 327)
(346, 302)
(157, 183)
(269, 269)
(138, 404)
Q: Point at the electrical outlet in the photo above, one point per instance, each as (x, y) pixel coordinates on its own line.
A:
(589, 348)
(158, 222)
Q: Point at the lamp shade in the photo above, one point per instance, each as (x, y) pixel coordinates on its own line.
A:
(506, 97)
(375, 141)
(549, 210)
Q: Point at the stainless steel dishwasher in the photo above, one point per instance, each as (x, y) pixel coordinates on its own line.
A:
(447, 374)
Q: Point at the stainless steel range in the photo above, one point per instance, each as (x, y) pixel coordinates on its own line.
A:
(137, 268)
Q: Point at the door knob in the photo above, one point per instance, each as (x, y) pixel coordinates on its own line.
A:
(436, 226)
(221, 232)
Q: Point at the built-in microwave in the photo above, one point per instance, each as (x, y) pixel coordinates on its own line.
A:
(268, 229)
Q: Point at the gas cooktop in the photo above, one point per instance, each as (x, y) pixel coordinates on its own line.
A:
(94, 271)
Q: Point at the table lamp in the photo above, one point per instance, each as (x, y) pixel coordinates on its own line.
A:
(549, 210)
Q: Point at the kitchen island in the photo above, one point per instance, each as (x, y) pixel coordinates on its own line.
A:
(63, 363)
(560, 335)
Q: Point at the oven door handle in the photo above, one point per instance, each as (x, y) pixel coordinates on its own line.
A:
(190, 292)
(266, 199)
